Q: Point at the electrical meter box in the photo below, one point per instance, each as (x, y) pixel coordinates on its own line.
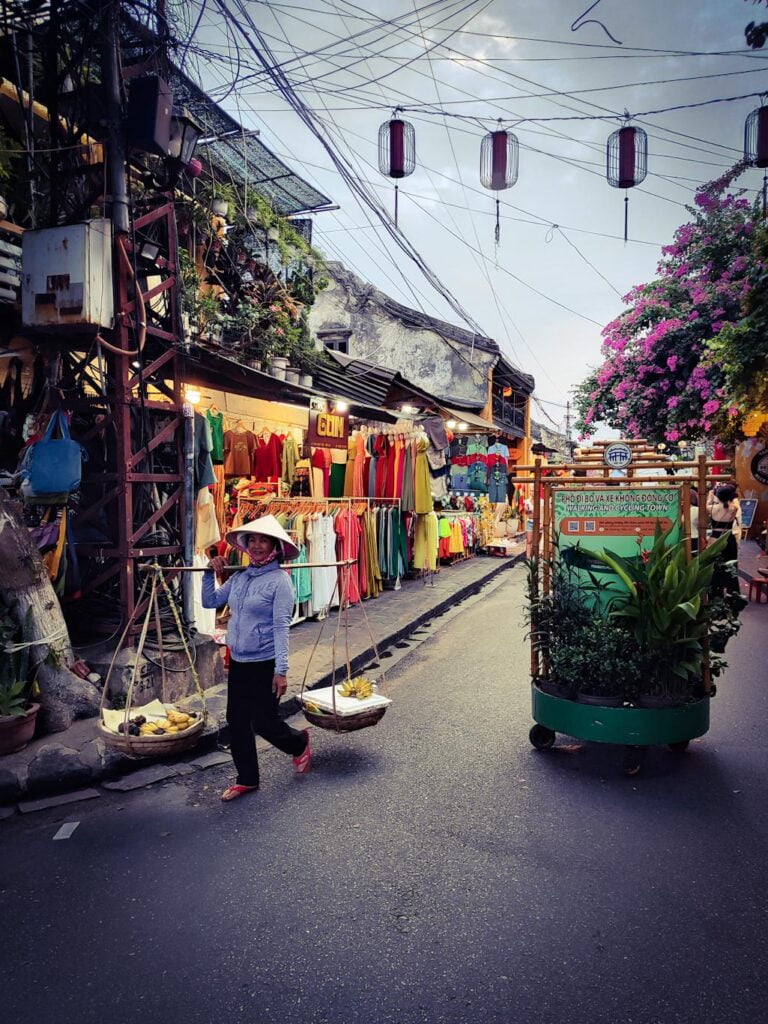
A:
(67, 277)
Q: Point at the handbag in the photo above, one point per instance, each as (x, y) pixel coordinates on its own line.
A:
(53, 464)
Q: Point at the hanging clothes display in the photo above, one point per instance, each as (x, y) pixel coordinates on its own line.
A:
(289, 459)
(498, 466)
(216, 423)
(204, 475)
(337, 473)
(422, 480)
(425, 546)
(239, 446)
(267, 456)
(477, 468)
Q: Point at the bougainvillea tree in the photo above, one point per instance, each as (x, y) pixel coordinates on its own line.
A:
(687, 358)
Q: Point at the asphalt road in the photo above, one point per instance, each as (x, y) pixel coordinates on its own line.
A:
(435, 868)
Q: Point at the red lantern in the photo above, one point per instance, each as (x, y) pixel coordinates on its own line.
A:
(397, 150)
(627, 161)
(499, 155)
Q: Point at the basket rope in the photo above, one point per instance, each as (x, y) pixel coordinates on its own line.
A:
(157, 584)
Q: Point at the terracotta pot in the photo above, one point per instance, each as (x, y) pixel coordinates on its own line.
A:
(17, 730)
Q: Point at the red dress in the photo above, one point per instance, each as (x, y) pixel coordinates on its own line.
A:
(348, 531)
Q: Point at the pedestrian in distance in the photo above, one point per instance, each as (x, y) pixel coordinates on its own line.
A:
(261, 601)
(725, 518)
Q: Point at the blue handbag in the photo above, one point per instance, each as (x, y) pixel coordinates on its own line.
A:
(53, 464)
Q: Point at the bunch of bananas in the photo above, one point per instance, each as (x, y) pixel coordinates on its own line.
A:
(314, 708)
(174, 722)
(359, 687)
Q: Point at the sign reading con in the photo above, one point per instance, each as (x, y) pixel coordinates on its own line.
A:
(327, 428)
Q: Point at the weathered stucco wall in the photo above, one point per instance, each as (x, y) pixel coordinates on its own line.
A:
(443, 367)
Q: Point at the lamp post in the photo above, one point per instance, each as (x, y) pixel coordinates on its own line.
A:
(184, 135)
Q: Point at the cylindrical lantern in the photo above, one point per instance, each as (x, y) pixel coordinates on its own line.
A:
(627, 161)
(397, 151)
(499, 155)
(756, 138)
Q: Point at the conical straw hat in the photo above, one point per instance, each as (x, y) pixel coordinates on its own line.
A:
(267, 526)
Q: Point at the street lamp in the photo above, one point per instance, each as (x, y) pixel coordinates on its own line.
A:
(185, 133)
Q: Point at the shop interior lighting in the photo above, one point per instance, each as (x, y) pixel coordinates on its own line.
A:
(193, 396)
(451, 424)
(341, 406)
(463, 426)
(136, 364)
(409, 410)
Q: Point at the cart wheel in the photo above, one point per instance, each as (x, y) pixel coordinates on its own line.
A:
(541, 737)
(680, 747)
(633, 760)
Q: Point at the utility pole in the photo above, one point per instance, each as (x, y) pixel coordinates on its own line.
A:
(115, 141)
(568, 421)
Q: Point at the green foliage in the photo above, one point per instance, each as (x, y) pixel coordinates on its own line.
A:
(653, 637)
(14, 665)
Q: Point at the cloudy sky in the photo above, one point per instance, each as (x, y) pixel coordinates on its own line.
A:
(455, 67)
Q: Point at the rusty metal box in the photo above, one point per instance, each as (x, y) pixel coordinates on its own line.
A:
(67, 276)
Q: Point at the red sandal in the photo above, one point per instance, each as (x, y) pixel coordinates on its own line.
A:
(233, 792)
(302, 762)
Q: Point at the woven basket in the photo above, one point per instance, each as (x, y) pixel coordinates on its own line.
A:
(345, 723)
(167, 745)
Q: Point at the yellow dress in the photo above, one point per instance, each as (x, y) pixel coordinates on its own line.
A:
(425, 541)
(423, 499)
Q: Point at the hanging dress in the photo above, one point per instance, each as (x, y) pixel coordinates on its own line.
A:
(423, 490)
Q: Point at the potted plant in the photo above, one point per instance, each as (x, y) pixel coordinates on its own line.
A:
(661, 608)
(18, 712)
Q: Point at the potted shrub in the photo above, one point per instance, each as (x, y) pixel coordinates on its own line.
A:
(662, 610)
(18, 712)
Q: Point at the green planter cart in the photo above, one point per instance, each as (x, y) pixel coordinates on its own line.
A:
(628, 726)
(582, 512)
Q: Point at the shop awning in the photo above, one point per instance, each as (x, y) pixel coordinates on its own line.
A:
(471, 419)
(368, 386)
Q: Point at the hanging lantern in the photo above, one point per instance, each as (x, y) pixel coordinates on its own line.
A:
(397, 150)
(499, 153)
(756, 145)
(627, 162)
(756, 138)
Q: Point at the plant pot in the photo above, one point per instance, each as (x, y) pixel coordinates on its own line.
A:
(273, 234)
(652, 700)
(17, 730)
(255, 364)
(280, 362)
(600, 700)
(292, 375)
(278, 372)
(556, 689)
(219, 207)
(306, 380)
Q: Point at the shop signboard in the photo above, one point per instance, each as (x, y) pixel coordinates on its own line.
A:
(620, 520)
(328, 428)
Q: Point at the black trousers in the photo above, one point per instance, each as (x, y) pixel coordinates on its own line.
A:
(252, 709)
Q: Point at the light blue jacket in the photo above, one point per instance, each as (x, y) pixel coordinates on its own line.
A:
(261, 601)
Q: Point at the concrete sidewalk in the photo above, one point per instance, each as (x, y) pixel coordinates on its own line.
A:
(48, 770)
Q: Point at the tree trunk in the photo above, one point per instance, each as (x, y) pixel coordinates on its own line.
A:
(24, 584)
